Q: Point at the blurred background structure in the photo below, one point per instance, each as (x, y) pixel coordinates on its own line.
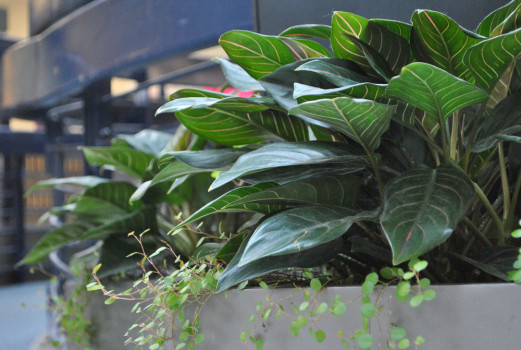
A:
(78, 72)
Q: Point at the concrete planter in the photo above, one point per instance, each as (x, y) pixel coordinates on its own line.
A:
(463, 317)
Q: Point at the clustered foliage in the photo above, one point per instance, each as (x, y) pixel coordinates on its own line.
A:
(401, 141)
(397, 141)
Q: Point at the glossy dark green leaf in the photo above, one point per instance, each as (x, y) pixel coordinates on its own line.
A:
(230, 248)
(280, 83)
(496, 261)
(510, 23)
(330, 70)
(401, 28)
(369, 91)
(235, 121)
(308, 31)
(309, 258)
(344, 25)
(434, 91)
(149, 141)
(237, 76)
(393, 48)
(364, 246)
(339, 191)
(299, 229)
(442, 41)
(126, 160)
(505, 49)
(55, 239)
(329, 166)
(207, 249)
(377, 62)
(205, 159)
(136, 221)
(493, 20)
(303, 49)
(84, 229)
(257, 54)
(176, 170)
(280, 155)
(73, 182)
(231, 202)
(422, 207)
(364, 121)
(503, 121)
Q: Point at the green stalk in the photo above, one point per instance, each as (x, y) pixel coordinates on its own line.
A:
(509, 222)
(454, 135)
(472, 137)
(492, 212)
(444, 137)
(476, 231)
(377, 174)
(504, 180)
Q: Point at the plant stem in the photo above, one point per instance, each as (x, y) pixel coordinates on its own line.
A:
(476, 230)
(504, 180)
(492, 212)
(515, 196)
(473, 133)
(454, 135)
(377, 174)
(444, 137)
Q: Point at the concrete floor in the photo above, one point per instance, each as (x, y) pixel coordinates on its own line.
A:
(22, 315)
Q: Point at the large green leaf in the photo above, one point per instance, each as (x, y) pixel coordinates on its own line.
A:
(362, 120)
(284, 154)
(235, 121)
(344, 25)
(205, 159)
(237, 76)
(422, 207)
(127, 160)
(328, 166)
(442, 42)
(55, 239)
(496, 261)
(303, 49)
(138, 220)
(257, 54)
(496, 18)
(280, 83)
(308, 31)
(393, 48)
(231, 202)
(501, 124)
(489, 59)
(149, 141)
(330, 70)
(74, 182)
(369, 91)
(83, 229)
(174, 171)
(434, 91)
(105, 201)
(299, 229)
(309, 258)
(400, 28)
(372, 45)
(332, 190)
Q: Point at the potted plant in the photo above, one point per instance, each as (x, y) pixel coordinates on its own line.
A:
(401, 142)
(396, 150)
